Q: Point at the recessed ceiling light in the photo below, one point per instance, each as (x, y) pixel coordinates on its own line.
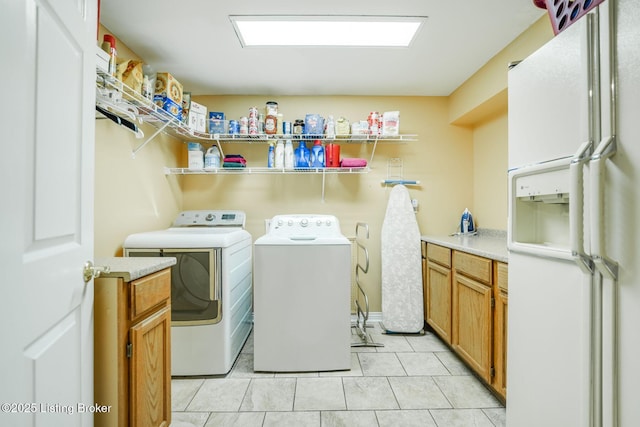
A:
(315, 30)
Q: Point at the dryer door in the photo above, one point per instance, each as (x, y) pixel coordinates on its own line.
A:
(196, 284)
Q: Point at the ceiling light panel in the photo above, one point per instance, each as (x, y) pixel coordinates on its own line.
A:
(304, 30)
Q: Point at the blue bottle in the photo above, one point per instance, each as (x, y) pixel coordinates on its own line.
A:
(317, 155)
(302, 156)
(271, 156)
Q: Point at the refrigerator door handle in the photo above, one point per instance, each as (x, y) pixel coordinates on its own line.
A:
(604, 150)
(576, 203)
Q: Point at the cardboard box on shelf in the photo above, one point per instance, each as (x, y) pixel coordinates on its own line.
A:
(168, 94)
(197, 117)
(167, 86)
(216, 122)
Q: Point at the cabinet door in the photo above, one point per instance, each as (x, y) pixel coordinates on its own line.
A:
(500, 344)
(424, 281)
(471, 334)
(150, 403)
(438, 307)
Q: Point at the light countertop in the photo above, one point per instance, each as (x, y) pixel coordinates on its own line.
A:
(132, 268)
(490, 244)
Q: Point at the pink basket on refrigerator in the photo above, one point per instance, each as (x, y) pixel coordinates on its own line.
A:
(563, 13)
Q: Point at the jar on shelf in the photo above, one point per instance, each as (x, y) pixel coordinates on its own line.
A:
(271, 108)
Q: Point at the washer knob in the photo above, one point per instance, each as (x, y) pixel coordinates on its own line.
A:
(304, 222)
(290, 222)
(328, 222)
(319, 223)
(210, 217)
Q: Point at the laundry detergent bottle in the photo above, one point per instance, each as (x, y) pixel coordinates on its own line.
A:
(288, 154)
(302, 155)
(317, 155)
(212, 158)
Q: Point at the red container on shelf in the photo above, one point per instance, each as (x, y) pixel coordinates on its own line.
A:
(332, 155)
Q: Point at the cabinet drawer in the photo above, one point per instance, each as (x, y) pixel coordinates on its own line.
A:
(502, 276)
(473, 266)
(439, 254)
(150, 291)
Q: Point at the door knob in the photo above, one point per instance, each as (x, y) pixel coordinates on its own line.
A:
(91, 272)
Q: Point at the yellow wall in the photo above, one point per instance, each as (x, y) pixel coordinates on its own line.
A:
(131, 195)
(481, 104)
(460, 158)
(441, 158)
(484, 93)
(490, 165)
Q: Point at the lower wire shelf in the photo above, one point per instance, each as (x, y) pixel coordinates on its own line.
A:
(264, 170)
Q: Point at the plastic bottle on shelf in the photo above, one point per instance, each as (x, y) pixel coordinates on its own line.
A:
(317, 155)
(271, 156)
(149, 83)
(271, 124)
(302, 155)
(288, 154)
(280, 123)
(109, 46)
(212, 158)
(279, 155)
(330, 128)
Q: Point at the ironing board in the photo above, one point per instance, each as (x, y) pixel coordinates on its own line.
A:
(401, 267)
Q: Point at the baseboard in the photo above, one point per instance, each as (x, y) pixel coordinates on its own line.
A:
(373, 317)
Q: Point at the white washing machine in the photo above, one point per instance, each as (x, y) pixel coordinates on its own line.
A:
(211, 287)
(302, 291)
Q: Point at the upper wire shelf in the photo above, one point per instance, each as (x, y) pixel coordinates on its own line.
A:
(118, 98)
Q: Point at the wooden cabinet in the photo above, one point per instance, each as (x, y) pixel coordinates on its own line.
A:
(465, 300)
(132, 370)
(499, 380)
(437, 292)
(472, 312)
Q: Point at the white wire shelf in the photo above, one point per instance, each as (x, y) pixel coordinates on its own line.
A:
(265, 171)
(117, 97)
(349, 139)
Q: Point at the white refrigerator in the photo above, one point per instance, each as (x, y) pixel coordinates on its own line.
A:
(573, 356)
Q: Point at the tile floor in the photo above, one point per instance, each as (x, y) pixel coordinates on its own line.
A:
(411, 381)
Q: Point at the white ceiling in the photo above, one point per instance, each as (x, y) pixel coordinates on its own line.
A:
(195, 41)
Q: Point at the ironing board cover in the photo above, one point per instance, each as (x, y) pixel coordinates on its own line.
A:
(401, 267)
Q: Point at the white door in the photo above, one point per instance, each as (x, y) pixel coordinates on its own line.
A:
(46, 228)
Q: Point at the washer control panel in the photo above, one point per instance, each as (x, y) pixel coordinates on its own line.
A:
(306, 226)
(207, 218)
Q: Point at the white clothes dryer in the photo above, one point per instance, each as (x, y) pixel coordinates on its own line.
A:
(211, 287)
(302, 291)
